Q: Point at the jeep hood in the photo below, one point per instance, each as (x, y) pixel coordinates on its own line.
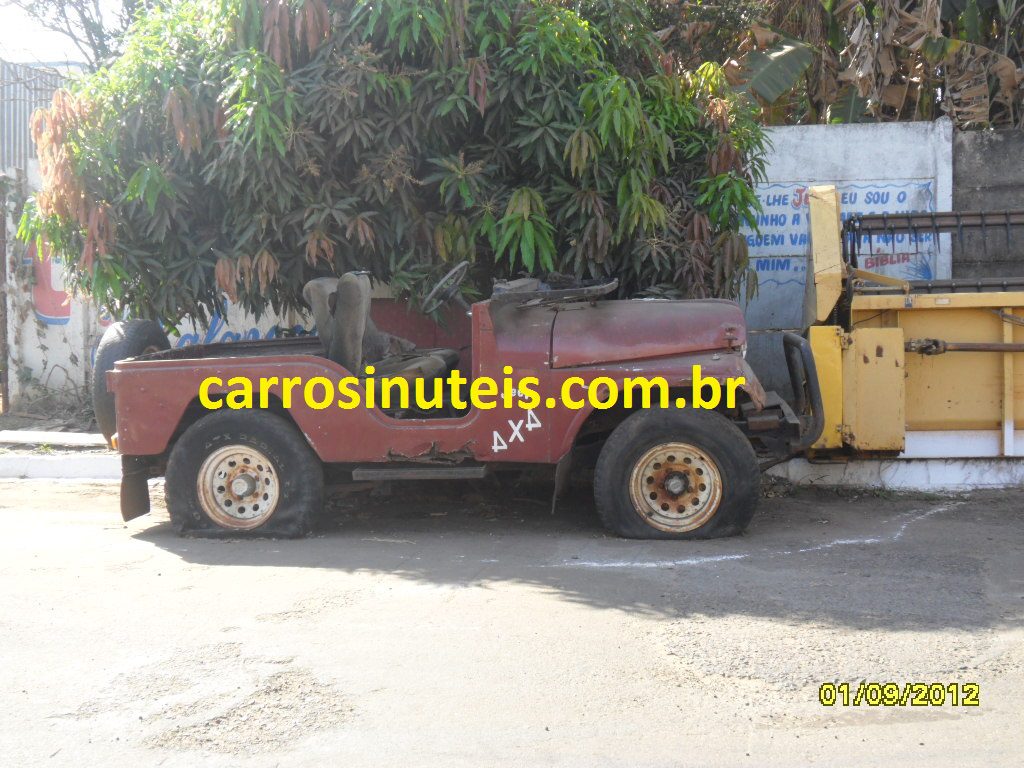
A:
(619, 331)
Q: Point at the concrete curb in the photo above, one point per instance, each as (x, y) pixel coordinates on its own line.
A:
(907, 474)
(59, 439)
(84, 466)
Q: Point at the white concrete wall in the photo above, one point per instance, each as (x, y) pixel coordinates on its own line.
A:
(53, 340)
(878, 168)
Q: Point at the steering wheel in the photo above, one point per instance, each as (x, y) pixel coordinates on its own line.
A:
(447, 288)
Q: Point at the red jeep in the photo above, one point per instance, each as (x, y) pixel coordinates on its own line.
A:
(660, 472)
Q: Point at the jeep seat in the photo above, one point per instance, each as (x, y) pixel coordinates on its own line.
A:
(422, 364)
(351, 339)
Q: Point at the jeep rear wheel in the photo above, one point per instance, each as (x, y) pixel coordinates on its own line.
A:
(238, 487)
(243, 473)
(676, 475)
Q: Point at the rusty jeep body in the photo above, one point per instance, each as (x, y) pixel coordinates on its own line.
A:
(665, 473)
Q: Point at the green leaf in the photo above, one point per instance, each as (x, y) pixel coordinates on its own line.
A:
(970, 19)
(776, 72)
(527, 245)
(850, 107)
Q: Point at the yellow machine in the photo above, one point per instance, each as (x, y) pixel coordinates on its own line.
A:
(918, 369)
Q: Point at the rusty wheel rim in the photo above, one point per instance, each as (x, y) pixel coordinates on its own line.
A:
(677, 487)
(238, 487)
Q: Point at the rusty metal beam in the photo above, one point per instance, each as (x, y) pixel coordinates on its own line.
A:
(940, 347)
(887, 226)
(951, 221)
(979, 285)
(385, 472)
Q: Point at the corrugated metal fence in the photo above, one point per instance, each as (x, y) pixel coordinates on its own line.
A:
(23, 89)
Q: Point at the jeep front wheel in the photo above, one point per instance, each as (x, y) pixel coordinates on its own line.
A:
(243, 473)
(676, 475)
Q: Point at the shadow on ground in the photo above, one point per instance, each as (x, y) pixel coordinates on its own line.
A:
(865, 561)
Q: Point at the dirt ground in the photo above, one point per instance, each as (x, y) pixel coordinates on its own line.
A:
(479, 630)
(60, 419)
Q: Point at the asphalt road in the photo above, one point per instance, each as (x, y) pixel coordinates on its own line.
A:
(479, 630)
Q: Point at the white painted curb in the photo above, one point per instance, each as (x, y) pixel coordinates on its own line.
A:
(907, 474)
(62, 439)
(86, 466)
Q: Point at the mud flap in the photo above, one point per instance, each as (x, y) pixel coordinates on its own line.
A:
(561, 479)
(134, 487)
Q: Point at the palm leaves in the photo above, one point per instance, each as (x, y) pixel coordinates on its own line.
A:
(776, 71)
(851, 60)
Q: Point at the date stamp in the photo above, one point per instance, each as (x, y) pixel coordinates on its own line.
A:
(892, 694)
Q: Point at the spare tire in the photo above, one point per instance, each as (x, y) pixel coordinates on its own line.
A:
(121, 341)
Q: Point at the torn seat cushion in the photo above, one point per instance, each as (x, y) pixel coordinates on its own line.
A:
(350, 309)
(317, 294)
(341, 311)
(423, 364)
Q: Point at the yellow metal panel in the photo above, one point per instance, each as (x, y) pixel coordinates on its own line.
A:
(827, 346)
(873, 386)
(1008, 387)
(824, 283)
(875, 302)
(956, 390)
